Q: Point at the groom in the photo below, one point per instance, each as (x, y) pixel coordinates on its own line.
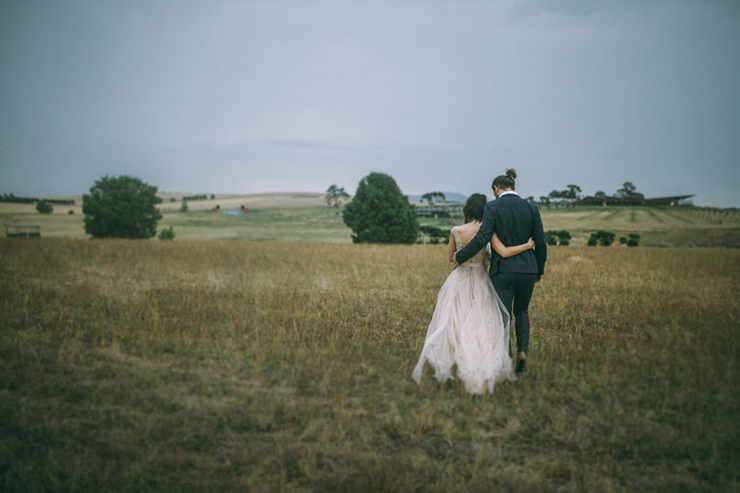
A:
(514, 220)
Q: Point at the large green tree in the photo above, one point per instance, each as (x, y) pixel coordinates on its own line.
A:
(121, 207)
(380, 213)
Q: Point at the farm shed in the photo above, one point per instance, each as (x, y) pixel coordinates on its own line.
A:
(19, 230)
(655, 202)
(437, 211)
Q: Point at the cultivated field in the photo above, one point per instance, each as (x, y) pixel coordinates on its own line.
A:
(301, 217)
(218, 366)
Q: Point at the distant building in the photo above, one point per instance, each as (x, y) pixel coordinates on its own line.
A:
(654, 202)
(19, 230)
(439, 211)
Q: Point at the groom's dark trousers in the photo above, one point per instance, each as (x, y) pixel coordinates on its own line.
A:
(517, 289)
(514, 220)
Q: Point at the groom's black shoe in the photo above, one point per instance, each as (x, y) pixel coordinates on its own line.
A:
(521, 365)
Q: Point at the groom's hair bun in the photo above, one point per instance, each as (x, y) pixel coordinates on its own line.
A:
(505, 181)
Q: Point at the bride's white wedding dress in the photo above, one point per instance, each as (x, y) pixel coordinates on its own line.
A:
(469, 328)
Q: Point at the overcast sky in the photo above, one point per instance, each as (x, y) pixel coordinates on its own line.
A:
(224, 96)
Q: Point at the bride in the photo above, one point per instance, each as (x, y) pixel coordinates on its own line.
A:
(470, 325)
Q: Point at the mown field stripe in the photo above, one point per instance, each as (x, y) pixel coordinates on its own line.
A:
(677, 216)
(655, 216)
(613, 214)
(589, 216)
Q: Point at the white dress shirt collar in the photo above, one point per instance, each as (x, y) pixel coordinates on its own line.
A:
(508, 191)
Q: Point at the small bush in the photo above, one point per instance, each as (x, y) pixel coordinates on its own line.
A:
(184, 206)
(213, 196)
(71, 212)
(172, 199)
(43, 207)
(603, 238)
(622, 240)
(434, 234)
(166, 234)
(555, 237)
(633, 240)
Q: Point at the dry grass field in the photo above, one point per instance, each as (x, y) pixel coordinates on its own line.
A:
(658, 226)
(222, 366)
(273, 216)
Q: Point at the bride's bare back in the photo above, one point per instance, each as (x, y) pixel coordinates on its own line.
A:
(467, 232)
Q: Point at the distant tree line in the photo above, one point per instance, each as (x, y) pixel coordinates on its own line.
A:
(196, 197)
(12, 199)
(574, 192)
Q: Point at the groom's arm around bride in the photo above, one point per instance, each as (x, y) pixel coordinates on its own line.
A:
(514, 220)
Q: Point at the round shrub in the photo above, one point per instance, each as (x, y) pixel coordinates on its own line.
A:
(558, 237)
(603, 238)
(43, 207)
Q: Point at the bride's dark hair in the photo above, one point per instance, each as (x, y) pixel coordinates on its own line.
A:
(505, 181)
(473, 210)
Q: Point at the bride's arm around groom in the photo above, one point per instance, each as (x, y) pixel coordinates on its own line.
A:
(487, 230)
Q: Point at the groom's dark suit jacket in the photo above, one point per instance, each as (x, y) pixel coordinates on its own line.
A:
(515, 221)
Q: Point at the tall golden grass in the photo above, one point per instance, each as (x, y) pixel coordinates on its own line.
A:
(217, 366)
